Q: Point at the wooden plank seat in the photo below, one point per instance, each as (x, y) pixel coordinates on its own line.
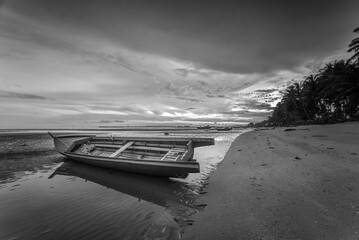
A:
(174, 154)
(138, 143)
(122, 149)
(132, 151)
(136, 157)
(133, 147)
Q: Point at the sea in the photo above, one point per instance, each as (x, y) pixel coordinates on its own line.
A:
(43, 195)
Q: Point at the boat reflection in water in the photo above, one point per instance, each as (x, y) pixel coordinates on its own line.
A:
(176, 197)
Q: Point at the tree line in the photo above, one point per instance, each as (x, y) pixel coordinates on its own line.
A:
(329, 96)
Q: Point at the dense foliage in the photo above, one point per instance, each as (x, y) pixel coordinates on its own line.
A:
(329, 96)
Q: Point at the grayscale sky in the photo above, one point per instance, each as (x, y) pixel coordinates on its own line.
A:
(86, 62)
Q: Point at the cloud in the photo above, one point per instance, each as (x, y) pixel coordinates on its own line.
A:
(266, 91)
(190, 99)
(252, 105)
(223, 38)
(6, 94)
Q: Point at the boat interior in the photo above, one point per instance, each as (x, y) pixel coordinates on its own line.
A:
(134, 149)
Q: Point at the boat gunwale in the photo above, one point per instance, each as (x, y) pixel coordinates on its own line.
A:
(115, 160)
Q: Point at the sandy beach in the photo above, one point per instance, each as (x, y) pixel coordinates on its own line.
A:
(296, 183)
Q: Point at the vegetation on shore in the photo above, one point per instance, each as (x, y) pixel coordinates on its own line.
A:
(329, 96)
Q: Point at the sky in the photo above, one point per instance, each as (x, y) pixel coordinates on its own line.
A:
(82, 63)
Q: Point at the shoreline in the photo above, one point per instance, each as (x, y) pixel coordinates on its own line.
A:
(273, 184)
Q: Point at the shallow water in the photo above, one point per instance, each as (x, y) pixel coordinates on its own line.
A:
(43, 197)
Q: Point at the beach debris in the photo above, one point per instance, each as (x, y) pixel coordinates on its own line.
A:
(330, 148)
(239, 150)
(264, 164)
(86, 148)
(46, 231)
(289, 129)
(297, 158)
(201, 204)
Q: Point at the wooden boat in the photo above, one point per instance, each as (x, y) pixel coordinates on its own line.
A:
(204, 127)
(170, 157)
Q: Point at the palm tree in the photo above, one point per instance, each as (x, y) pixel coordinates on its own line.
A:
(309, 96)
(354, 47)
(338, 89)
(291, 103)
(348, 91)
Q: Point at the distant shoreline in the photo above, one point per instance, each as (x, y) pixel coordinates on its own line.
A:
(169, 129)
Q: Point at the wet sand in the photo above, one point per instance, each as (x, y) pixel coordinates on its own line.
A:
(302, 183)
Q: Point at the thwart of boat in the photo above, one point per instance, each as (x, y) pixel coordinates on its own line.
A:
(165, 156)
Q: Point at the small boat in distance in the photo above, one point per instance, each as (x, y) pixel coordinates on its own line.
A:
(204, 127)
(165, 156)
(224, 128)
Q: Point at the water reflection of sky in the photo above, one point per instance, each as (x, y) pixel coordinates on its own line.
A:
(87, 201)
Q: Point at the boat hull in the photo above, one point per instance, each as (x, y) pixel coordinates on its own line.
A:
(154, 168)
(165, 165)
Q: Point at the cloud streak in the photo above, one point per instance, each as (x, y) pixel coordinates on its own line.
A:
(6, 94)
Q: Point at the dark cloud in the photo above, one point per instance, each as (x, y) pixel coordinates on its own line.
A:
(248, 114)
(109, 121)
(184, 72)
(236, 36)
(7, 94)
(252, 104)
(215, 96)
(181, 71)
(190, 99)
(115, 107)
(37, 37)
(178, 91)
(266, 90)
